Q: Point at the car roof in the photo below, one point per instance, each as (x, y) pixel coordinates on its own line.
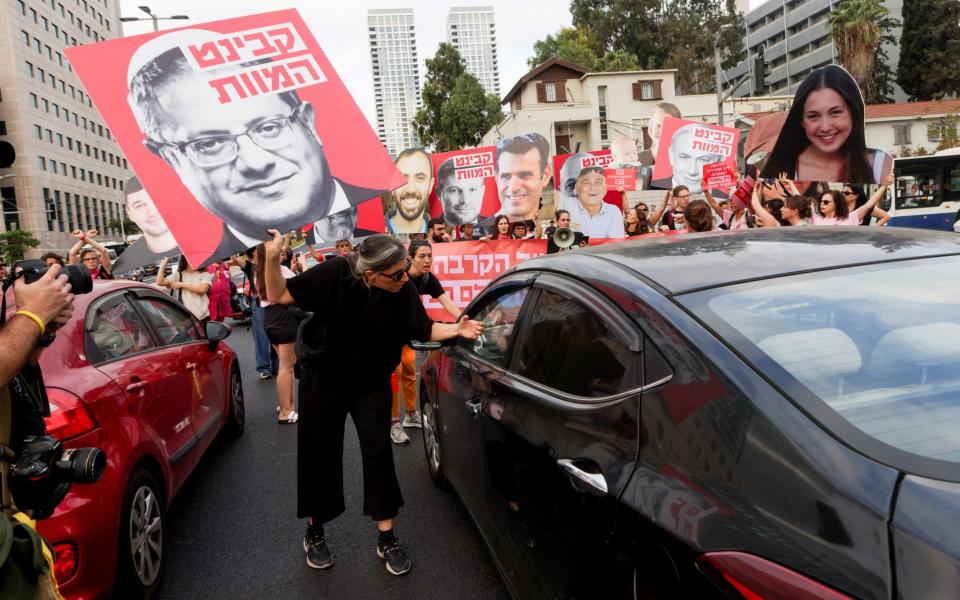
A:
(681, 263)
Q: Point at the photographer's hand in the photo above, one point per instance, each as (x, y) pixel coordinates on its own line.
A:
(48, 298)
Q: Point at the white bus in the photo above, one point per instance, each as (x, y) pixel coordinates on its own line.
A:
(927, 191)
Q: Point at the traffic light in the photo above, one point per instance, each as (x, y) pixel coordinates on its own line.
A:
(758, 73)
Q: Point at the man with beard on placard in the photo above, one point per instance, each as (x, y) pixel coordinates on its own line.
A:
(409, 210)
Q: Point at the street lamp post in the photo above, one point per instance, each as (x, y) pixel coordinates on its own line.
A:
(152, 17)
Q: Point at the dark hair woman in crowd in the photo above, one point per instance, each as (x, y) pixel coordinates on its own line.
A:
(833, 208)
(421, 261)
(501, 229)
(632, 224)
(823, 136)
(855, 197)
(365, 309)
(280, 324)
(698, 216)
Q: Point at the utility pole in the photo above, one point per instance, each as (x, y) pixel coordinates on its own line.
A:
(152, 17)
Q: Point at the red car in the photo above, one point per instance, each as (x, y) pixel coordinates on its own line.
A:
(135, 374)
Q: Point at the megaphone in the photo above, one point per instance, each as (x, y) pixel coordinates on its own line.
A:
(563, 237)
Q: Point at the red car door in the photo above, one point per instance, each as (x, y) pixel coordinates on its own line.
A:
(157, 391)
(207, 390)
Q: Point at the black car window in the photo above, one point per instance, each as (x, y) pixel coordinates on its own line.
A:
(499, 318)
(174, 325)
(568, 348)
(878, 345)
(116, 330)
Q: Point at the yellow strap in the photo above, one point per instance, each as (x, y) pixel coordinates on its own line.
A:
(53, 591)
(36, 319)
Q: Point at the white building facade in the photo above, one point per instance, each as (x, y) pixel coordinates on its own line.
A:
(472, 31)
(396, 76)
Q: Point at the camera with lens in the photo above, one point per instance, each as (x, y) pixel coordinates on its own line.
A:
(41, 474)
(41, 470)
(31, 270)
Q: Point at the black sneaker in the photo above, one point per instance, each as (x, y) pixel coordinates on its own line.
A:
(315, 545)
(389, 550)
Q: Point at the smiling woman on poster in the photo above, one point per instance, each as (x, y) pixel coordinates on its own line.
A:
(823, 136)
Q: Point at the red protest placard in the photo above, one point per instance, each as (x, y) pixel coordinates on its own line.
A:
(691, 146)
(568, 167)
(718, 176)
(621, 179)
(235, 126)
(466, 188)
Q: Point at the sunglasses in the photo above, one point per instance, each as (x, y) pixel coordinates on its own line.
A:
(849, 193)
(822, 202)
(399, 273)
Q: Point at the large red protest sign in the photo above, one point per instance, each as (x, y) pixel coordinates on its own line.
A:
(235, 126)
(466, 189)
(691, 146)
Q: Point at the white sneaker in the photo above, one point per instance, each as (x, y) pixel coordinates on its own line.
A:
(398, 435)
(412, 420)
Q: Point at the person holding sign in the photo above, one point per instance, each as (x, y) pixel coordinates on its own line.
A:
(823, 136)
(593, 217)
(365, 309)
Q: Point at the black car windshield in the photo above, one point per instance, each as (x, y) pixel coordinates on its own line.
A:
(879, 345)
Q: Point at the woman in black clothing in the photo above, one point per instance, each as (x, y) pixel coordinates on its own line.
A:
(365, 309)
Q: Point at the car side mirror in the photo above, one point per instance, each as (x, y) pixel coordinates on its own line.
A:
(215, 332)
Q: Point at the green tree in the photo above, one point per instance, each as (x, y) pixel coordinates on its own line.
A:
(677, 34)
(129, 227)
(456, 112)
(617, 60)
(468, 114)
(15, 242)
(929, 65)
(949, 131)
(442, 73)
(569, 44)
(857, 28)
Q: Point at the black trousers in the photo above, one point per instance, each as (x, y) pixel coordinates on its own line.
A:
(323, 412)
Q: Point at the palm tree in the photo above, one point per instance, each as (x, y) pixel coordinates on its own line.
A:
(857, 28)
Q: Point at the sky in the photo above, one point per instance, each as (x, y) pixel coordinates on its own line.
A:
(341, 29)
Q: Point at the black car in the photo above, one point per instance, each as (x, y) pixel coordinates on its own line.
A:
(756, 414)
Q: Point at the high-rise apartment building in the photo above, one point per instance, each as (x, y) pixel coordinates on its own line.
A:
(472, 31)
(795, 38)
(396, 76)
(69, 172)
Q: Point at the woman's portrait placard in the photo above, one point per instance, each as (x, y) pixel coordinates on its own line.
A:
(691, 146)
(237, 126)
(823, 135)
(466, 188)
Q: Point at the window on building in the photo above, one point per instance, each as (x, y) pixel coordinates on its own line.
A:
(937, 130)
(39, 131)
(602, 108)
(43, 163)
(34, 100)
(3, 128)
(551, 92)
(901, 135)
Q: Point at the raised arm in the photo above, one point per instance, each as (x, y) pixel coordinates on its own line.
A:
(275, 285)
(765, 218)
(162, 280)
(881, 215)
(867, 208)
(653, 219)
(73, 255)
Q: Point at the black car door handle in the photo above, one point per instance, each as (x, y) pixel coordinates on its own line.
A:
(594, 480)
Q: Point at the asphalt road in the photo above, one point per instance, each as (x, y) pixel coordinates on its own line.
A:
(233, 532)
